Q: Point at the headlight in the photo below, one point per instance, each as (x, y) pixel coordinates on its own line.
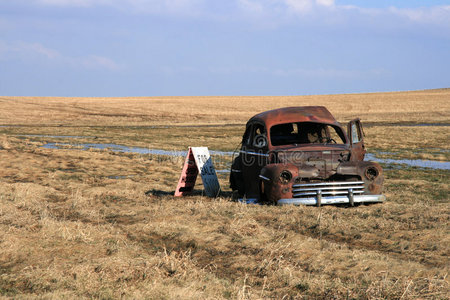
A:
(285, 176)
(371, 173)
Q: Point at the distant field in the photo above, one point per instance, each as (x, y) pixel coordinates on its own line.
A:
(411, 107)
(103, 224)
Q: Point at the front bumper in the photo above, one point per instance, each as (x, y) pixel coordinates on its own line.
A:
(320, 200)
(330, 192)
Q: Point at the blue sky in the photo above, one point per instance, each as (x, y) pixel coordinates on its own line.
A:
(216, 47)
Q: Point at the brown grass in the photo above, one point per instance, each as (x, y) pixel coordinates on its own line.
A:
(68, 229)
(415, 107)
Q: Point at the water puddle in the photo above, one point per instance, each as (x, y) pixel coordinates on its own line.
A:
(439, 165)
(428, 150)
(223, 171)
(114, 148)
(125, 149)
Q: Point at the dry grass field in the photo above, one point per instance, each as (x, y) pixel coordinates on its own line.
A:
(406, 107)
(103, 224)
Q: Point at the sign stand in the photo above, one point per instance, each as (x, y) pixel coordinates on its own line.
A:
(198, 161)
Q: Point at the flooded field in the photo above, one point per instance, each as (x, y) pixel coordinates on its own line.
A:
(87, 209)
(388, 162)
(120, 148)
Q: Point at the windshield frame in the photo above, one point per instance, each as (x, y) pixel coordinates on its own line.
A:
(338, 129)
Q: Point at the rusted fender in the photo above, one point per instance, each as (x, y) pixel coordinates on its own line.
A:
(370, 172)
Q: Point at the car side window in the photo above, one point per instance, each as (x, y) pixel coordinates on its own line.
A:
(259, 137)
(259, 129)
(356, 135)
(247, 139)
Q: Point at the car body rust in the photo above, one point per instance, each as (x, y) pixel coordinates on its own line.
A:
(302, 155)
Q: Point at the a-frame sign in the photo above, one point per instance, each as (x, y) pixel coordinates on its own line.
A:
(197, 161)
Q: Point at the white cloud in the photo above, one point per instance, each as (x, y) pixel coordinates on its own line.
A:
(22, 49)
(435, 14)
(325, 2)
(263, 11)
(31, 51)
(39, 49)
(251, 6)
(299, 6)
(283, 7)
(436, 18)
(183, 7)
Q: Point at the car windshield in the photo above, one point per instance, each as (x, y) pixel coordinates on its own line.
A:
(305, 133)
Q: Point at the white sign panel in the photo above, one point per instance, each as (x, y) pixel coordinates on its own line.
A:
(206, 170)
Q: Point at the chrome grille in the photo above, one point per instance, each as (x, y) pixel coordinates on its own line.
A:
(327, 188)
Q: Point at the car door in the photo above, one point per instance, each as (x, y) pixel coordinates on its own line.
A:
(356, 136)
(254, 158)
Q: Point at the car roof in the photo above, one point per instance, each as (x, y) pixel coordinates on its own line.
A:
(317, 114)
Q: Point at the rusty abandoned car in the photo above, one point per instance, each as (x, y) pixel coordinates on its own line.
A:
(302, 155)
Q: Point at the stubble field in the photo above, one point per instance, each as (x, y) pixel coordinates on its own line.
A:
(97, 223)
